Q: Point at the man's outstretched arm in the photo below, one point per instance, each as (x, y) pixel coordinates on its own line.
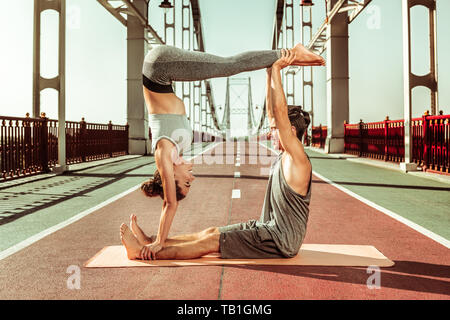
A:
(292, 145)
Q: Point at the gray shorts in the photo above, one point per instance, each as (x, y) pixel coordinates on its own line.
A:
(246, 240)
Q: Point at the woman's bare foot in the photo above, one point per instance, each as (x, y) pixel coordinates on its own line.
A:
(304, 57)
(130, 242)
(138, 233)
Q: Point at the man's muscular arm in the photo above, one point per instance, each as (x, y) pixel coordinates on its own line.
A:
(292, 145)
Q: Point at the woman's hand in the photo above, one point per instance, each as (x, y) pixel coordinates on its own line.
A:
(287, 57)
(149, 251)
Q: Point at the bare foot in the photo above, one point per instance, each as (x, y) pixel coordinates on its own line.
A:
(138, 233)
(304, 57)
(130, 242)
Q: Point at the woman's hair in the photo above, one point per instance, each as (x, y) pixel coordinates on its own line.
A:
(153, 187)
(299, 119)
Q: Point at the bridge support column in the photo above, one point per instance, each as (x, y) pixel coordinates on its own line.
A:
(58, 83)
(137, 114)
(337, 80)
(411, 80)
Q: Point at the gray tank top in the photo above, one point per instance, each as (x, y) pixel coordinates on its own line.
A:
(173, 127)
(285, 212)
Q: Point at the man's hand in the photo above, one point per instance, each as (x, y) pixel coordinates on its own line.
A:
(149, 251)
(287, 57)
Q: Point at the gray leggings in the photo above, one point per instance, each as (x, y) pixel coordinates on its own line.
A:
(164, 64)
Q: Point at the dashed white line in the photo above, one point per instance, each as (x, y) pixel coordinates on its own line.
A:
(236, 194)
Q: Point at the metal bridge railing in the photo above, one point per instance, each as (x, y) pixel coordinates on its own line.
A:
(318, 136)
(384, 140)
(23, 146)
(30, 145)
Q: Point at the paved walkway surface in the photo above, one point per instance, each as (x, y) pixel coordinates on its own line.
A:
(39, 269)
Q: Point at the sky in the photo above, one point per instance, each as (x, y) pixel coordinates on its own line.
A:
(96, 57)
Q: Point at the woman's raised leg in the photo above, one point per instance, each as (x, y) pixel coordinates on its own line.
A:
(164, 64)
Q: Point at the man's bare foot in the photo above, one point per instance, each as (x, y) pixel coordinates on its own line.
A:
(304, 57)
(138, 233)
(130, 242)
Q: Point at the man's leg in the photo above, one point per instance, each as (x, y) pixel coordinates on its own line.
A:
(182, 249)
(145, 240)
(191, 249)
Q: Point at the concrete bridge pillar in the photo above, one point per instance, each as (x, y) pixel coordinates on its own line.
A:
(337, 80)
(137, 114)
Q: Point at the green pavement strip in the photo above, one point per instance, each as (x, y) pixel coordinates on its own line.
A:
(420, 200)
(30, 208)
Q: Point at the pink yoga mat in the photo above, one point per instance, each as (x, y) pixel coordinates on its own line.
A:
(309, 255)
